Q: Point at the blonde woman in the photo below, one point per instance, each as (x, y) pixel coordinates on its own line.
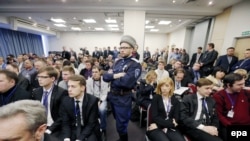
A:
(165, 113)
(243, 73)
(146, 89)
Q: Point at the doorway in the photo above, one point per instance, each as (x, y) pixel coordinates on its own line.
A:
(241, 45)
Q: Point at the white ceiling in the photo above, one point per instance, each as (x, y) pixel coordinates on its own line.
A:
(182, 13)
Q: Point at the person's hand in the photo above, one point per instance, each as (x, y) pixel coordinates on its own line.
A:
(210, 130)
(152, 127)
(175, 123)
(119, 75)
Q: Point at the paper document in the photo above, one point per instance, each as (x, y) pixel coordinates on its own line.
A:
(181, 90)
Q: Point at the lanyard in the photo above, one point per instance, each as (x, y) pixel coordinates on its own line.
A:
(167, 105)
(232, 101)
(7, 99)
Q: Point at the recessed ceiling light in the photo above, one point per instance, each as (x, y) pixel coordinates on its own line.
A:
(34, 24)
(180, 20)
(60, 25)
(154, 30)
(210, 3)
(136, 0)
(74, 18)
(149, 26)
(89, 20)
(48, 28)
(115, 29)
(99, 28)
(113, 25)
(164, 22)
(147, 21)
(76, 28)
(174, 1)
(29, 18)
(57, 20)
(64, 0)
(110, 21)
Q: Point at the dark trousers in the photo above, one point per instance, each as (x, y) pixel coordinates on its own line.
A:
(159, 135)
(121, 107)
(199, 135)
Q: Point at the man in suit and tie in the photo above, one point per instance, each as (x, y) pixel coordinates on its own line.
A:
(244, 63)
(96, 53)
(208, 58)
(9, 90)
(228, 60)
(196, 57)
(180, 78)
(197, 114)
(24, 120)
(194, 73)
(51, 97)
(79, 113)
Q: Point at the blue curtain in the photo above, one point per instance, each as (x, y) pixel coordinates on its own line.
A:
(15, 42)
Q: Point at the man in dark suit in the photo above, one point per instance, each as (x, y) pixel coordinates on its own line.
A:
(228, 60)
(51, 96)
(9, 90)
(180, 78)
(197, 114)
(196, 57)
(194, 73)
(79, 113)
(208, 58)
(65, 54)
(23, 82)
(244, 63)
(26, 122)
(96, 53)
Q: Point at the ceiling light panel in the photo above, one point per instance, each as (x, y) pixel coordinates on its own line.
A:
(149, 26)
(154, 30)
(112, 25)
(147, 22)
(89, 20)
(57, 20)
(99, 28)
(76, 28)
(60, 25)
(110, 21)
(115, 29)
(164, 22)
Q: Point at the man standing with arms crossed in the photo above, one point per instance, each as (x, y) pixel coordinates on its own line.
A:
(123, 78)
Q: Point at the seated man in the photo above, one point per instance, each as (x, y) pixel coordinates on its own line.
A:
(79, 124)
(24, 120)
(9, 90)
(197, 114)
(232, 103)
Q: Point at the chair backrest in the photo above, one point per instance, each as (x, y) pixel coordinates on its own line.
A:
(149, 115)
(192, 89)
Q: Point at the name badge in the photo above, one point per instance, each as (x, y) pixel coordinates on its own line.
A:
(230, 114)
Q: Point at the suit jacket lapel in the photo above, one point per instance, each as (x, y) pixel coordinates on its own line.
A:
(195, 104)
(84, 106)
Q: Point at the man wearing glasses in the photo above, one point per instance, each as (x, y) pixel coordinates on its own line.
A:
(123, 78)
(9, 90)
(50, 96)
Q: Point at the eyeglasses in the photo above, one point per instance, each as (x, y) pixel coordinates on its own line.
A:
(125, 47)
(43, 77)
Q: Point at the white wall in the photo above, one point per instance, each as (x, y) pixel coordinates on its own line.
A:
(155, 40)
(76, 40)
(199, 37)
(177, 38)
(239, 21)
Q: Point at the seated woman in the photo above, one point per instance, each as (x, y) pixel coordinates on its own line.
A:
(146, 89)
(165, 114)
(217, 78)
